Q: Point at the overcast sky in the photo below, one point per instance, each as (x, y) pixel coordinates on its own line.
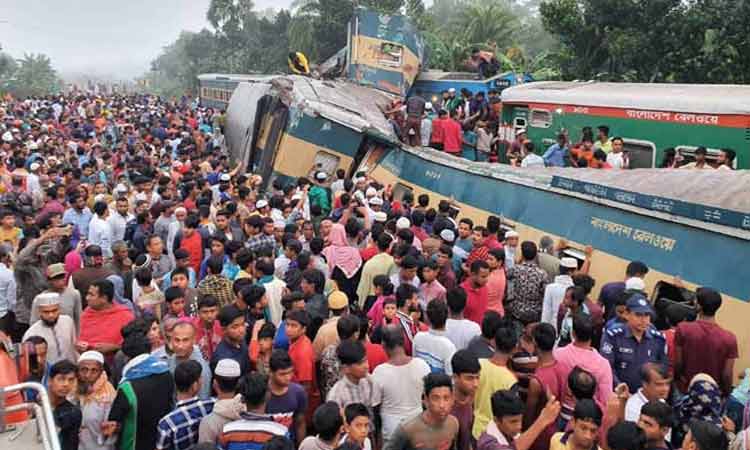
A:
(103, 37)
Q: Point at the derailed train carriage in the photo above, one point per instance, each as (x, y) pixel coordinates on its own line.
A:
(691, 224)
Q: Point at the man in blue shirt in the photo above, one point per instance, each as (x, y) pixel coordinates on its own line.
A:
(78, 214)
(232, 345)
(636, 342)
(556, 154)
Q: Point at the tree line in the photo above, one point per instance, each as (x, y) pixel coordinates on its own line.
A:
(690, 41)
(32, 75)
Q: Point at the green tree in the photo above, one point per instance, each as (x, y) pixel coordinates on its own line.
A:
(34, 75)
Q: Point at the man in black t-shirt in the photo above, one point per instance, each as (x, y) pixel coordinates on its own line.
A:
(62, 380)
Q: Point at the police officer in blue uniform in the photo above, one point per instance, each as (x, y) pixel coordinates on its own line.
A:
(627, 346)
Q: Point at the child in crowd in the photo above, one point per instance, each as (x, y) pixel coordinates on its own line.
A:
(261, 346)
(329, 424)
(357, 426)
(294, 301)
(151, 299)
(383, 289)
(208, 331)
(175, 302)
(388, 317)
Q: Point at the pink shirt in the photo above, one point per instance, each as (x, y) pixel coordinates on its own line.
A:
(590, 360)
(496, 291)
(431, 291)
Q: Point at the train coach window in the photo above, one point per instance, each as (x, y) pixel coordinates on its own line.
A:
(519, 122)
(391, 54)
(327, 162)
(672, 303)
(641, 153)
(541, 118)
(399, 190)
(687, 153)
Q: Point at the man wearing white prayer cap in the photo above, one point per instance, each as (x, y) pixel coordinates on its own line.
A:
(511, 248)
(58, 330)
(95, 397)
(228, 404)
(554, 293)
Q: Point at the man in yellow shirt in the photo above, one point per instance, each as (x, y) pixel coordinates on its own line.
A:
(603, 142)
(494, 376)
(587, 418)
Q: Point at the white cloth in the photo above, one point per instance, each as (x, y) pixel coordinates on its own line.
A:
(7, 290)
(435, 349)
(633, 409)
(100, 233)
(461, 332)
(91, 438)
(532, 160)
(61, 339)
(274, 292)
(425, 131)
(118, 224)
(401, 400)
(554, 294)
(617, 160)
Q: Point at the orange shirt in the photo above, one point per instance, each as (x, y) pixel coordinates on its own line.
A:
(302, 355)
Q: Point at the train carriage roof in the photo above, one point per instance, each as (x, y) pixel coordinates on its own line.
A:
(710, 199)
(354, 106)
(687, 98)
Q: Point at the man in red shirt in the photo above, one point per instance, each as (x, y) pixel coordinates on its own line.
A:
(303, 356)
(438, 132)
(102, 320)
(705, 347)
(453, 135)
(191, 241)
(476, 291)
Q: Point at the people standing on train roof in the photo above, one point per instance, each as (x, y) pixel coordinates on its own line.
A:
(411, 134)
(617, 158)
(426, 126)
(557, 153)
(298, 63)
(530, 159)
(484, 63)
(700, 162)
(726, 159)
(453, 135)
(602, 139)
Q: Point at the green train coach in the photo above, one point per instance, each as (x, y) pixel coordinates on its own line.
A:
(649, 117)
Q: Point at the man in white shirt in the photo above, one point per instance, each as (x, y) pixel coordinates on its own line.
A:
(100, 232)
(655, 384)
(58, 330)
(433, 346)
(119, 218)
(617, 158)
(530, 159)
(7, 290)
(459, 330)
(554, 293)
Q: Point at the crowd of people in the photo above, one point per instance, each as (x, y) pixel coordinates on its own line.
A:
(167, 301)
(474, 120)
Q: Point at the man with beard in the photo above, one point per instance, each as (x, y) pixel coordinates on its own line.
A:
(70, 299)
(95, 396)
(59, 331)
